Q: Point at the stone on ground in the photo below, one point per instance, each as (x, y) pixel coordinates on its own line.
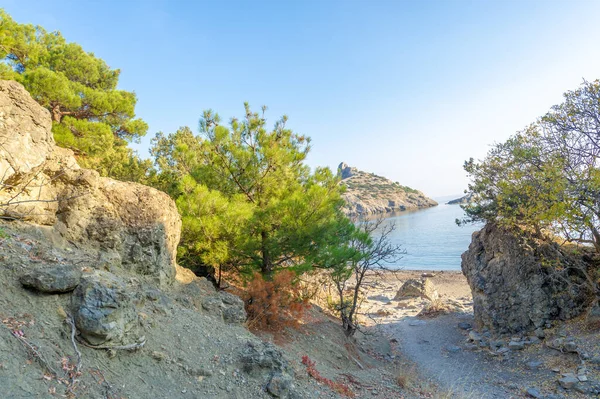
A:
(514, 284)
(413, 288)
(52, 279)
(105, 309)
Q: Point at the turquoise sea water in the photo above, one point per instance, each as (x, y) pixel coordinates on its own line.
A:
(431, 237)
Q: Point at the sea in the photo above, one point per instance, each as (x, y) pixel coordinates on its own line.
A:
(431, 238)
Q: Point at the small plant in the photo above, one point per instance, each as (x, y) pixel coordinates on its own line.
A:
(339, 387)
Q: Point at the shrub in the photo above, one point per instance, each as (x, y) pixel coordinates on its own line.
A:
(273, 304)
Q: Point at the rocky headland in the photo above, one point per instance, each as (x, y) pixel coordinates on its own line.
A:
(465, 199)
(369, 194)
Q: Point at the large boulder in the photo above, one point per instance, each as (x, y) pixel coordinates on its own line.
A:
(106, 309)
(225, 305)
(52, 279)
(129, 224)
(414, 288)
(519, 283)
(25, 135)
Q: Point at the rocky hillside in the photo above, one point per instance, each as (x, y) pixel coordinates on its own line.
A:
(367, 193)
(93, 304)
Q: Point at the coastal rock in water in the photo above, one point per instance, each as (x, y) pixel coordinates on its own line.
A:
(129, 224)
(417, 288)
(519, 283)
(367, 193)
(52, 279)
(462, 200)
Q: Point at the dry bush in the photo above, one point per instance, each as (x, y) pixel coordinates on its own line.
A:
(339, 387)
(402, 380)
(274, 304)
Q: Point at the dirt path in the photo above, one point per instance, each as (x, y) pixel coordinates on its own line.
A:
(433, 345)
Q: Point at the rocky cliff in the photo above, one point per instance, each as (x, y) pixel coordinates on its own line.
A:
(367, 193)
(519, 283)
(128, 224)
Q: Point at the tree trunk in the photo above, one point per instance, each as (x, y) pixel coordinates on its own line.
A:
(348, 326)
(56, 114)
(596, 238)
(266, 267)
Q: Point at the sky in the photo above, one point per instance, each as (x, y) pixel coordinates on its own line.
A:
(405, 89)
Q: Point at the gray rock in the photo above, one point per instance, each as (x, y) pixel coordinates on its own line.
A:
(513, 292)
(533, 341)
(570, 347)
(463, 325)
(280, 385)
(593, 315)
(105, 309)
(413, 288)
(474, 336)
(226, 305)
(556, 343)
(232, 314)
(453, 348)
(516, 345)
(213, 305)
(52, 279)
(581, 388)
(568, 381)
(263, 356)
(414, 323)
(533, 393)
(496, 344)
(540, 333)
(533, 365)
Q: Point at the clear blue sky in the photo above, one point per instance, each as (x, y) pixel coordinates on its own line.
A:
(405, 89)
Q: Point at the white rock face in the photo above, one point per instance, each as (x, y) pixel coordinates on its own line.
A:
(129, 224)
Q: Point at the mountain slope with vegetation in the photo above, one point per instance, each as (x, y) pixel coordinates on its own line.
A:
(367, 193)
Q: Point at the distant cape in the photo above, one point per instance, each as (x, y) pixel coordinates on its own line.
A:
(369, 194)
(462, 200)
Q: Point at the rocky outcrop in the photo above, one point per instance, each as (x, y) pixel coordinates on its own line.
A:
(128, 224)
(367, 194)
(414, 288)
(519, 283)
(25, 131)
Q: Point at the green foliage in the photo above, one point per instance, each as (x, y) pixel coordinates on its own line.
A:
(546, 177)
(90, 115)
(246, 196)
(363, 249)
